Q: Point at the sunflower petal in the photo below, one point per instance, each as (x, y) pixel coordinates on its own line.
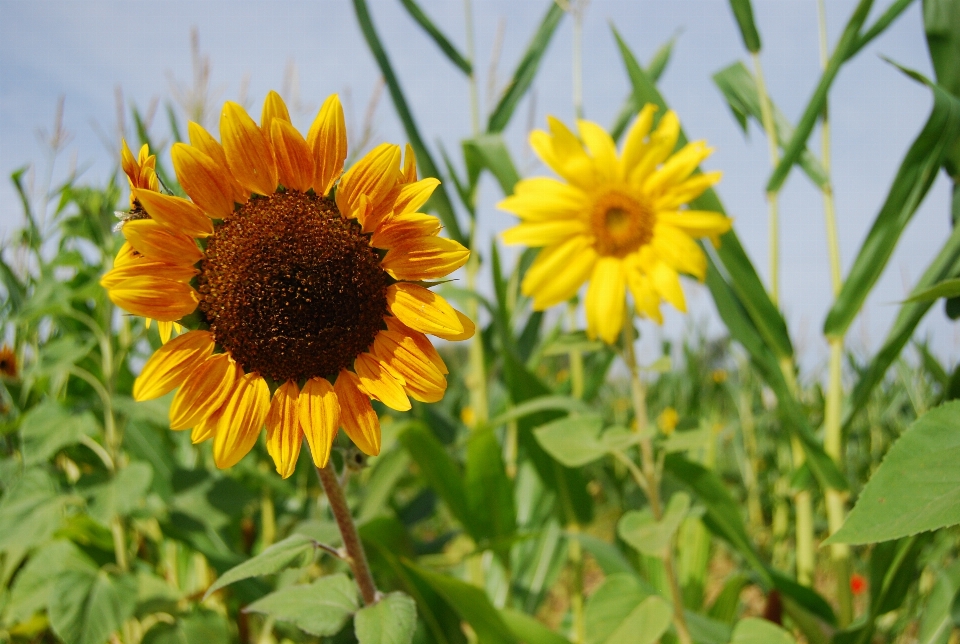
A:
(662, 142)
(606, 300)
(420, 340)
(170, 364)
(423, 380)
(558, 272)
(357, 416)
(645, 298)
(204, 391)
(206, 428)
(319, 417)
(686, 191)
(409, 165)
(667, 284)
(635, 146)
(157, 242)
(421, 309)
(294, 161)
(373, 176)
(679, 251)
(677, 168)
(469, 328)
(413, 195)
(203, 141)
(284, 435)
(249, 154)
(698, 223)
(545, 233)
(155, 297)
(426, 258)
(207, 184)
(172, 272)
(242, 418)
(273, 108)
(544, 199)
(175, 213)
(327, 139)
(602, 150)
(406, 227)
(381, 382)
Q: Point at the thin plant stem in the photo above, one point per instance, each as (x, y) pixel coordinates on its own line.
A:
(651, 473)
(766, 117)
(577, 8)
(833, 434)
(356, 556)
(471, 55)
(575, 553)
(477, 378)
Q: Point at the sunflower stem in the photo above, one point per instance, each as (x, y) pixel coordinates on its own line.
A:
(356, 556)
(766, 117)
(651, 473)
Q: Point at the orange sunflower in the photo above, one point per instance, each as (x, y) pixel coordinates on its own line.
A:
(294, 280)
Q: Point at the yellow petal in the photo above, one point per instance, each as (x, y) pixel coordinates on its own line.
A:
(284, 436)
(645, 299)
(177, 214)
(563, 152)
(203, 392)
(667, 284)
(319, 417)
(677, 168)
(420, 340)
(422, 310)
(635, 146)
(427, 258)
(423, 380)
(249, 154)
(602, 149)
(662, 142)
(686, 191)
(209, 185)
(155, 297)
(170, 364)
(543, 199)
(203, 141)
(206, 428)
(698, 223)
(356, 413)
(409, 165)
(373, 176)
(242, 418)
(172, 272)
(158, 243)
(405, 228)
(679, 251)
(606, 300)
(468, 329)
(327, 140)
(545, 233)
(381, 382)
(413, 195)
(558, 272)
(294, 161)
(273, 108)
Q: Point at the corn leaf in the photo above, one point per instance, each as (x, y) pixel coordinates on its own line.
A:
(439, 38)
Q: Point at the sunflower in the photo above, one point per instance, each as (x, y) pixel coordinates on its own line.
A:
(306, 292)
(617, 221)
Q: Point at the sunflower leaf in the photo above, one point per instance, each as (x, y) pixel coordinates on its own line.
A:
(283, 554)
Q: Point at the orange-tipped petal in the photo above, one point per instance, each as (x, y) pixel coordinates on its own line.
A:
(423, 342)
(171, 363)
(414, 195)
(404, 228)
(155, 298)
(374, 176)
(294, 161)
(203, 141)
(248, 151)
(381, 382)
(356, 413)
(284, 436)
(176, 213)
(273, 108)
(319, 418)
(206, 428)
(209, 185)
(327, 140)
(242, 418)
(172, 272)
(422, 379)
(428, 258)
(159, 243)
(409, 165)
(203, 392)
(468, 329)
(422, 310)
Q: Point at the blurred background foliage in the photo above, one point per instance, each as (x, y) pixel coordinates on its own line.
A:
(509, 511)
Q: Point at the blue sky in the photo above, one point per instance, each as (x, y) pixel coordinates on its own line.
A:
(85, 51)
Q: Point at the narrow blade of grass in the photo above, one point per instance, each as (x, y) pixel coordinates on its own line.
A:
(439, 38)
(743, 12)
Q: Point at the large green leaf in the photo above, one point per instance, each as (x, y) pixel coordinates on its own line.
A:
(392, 620)
(438, 37)
(936, 622)
(814, 108)
(526, 70)
(32, 589)
(621, 610)
(440, 200)
(87, 606)
(940, 20)
(30, 512)
(917, 486)
(946, 288)
(292, 551)
(760, 631)
(914, 178)
(743, 12)
(528, 629)
(320, 608)
(49, 427)
(879, 26)
(573, 440)
(122, 494)
(647, 535)
(489, 492)
(204, 626)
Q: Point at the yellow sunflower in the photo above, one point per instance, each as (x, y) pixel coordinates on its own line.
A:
(295, 281)
(616, 222)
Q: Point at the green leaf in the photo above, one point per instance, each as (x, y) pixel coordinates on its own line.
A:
(574, 440)
(32, 589)
(936, 622)
(526, 70)
(940, 20)
(620, 610)
(434, 32)
(754, 630)
(87, 606)
(201, 626)
(489, 492)
(917, 486)
(878, 27)
(488, 151)
(649, 536)
(681, 441)
(740, 89)
(631, 107)
(392, 620)
(946, 288)
(30, 512)
(528, 629)
(320, 608)
(540, 404)
(49, 427)
(743, 12)
(428, 168)
(292, 551)
(814, 109)
(726, 606)
(121, 495)
(470, 603)
(914, 178)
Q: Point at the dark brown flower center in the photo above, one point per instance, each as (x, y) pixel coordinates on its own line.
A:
(292, 289)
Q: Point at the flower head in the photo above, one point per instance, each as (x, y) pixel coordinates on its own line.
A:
(303, 287)
(8, 363)
(615, 220)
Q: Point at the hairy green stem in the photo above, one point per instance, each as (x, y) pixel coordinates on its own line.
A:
(356, 556)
